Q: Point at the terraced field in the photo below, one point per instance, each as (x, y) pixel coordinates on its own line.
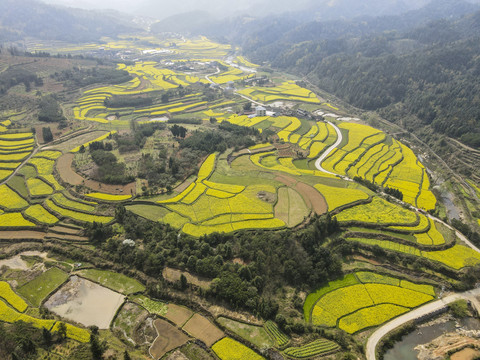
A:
(288, 91)
(14, 148)
(363, 300)
(315, 348)
(272, 186)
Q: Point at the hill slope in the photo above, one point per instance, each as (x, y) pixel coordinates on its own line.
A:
(29, 18)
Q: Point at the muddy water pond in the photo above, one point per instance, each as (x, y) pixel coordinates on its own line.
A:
(452, 210)
(85, 302)
(405, 349)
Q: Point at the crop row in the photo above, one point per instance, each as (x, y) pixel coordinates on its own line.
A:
(456, 257)
(78, 216)
(272, 329)
(315, 348)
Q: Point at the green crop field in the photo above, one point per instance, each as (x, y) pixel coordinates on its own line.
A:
(114, 281)
(38, 289)
(253, 334)
(272, 329)
(315, 348)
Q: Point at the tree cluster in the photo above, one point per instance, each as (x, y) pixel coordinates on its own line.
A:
(81, 77)
(128, 101)
(51, 111)
(394, 192)
(14, 76)
(109, 170)
(178, 131)
(268, 260)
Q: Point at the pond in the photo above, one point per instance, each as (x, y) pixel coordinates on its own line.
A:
(85, 302)
(405, 349)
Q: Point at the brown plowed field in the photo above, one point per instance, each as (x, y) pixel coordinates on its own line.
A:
(64, 168)
(22, 235)
(312, 197)
(202, 329)
(169, 338)
(178, 314)
(69, 176)
(64, 230)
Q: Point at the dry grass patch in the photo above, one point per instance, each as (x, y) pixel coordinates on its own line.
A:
(178, 314)
(202, 329)
(169, 338)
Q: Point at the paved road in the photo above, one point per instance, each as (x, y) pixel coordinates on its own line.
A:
(318, 163)
(208, 76)
(247, 98)
(458, 233)
(412, 315)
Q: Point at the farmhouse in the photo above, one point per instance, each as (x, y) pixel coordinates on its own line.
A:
(261, 111)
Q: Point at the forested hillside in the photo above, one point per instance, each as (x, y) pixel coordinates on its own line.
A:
(35, 19)
(414, 71)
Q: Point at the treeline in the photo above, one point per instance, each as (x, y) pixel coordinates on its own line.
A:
(270, 260)
(81, 77)
(376, 188)
(128, 101)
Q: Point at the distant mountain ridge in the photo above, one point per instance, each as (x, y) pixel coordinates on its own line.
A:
(420, 69)
(30, 18)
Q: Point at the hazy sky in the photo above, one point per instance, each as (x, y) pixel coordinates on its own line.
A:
(163, 8)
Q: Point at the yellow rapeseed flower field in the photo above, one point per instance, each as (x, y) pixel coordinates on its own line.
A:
(43, 166)
(9, 199)
(11, 297)
(38, 187)
(14, 220)
(361, 302)
(74, 333)
(379, 211)
(62, 200)
(41, 215)
(337, 197)
(82, 217)
(229, 349)
(108, 197)
(371, 316)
